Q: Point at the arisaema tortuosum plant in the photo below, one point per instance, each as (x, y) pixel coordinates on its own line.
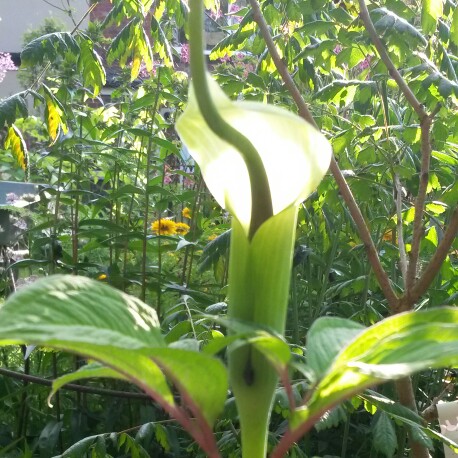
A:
(259, 161)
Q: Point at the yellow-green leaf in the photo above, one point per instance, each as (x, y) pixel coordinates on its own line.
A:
(431, 11)
(454, 27)
(54, 116)
(16, 143)
(132, 43)
(91, 66)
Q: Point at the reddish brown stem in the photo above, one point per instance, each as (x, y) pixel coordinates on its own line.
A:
(435, 263)
(417, 231)
(344, 189)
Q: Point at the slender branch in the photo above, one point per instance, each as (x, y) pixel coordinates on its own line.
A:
(425, 125)
(431, 414)
(284, 377)
(400, 235)
(406, 395)
(72, 386)
(417, 230)
(392, 70)
(365, 235)
(437, 260)
(345, 190)
(280, 65)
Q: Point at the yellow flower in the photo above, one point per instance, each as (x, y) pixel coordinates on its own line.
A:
(388, 235)
(186, 212)
(182, 228)
(164, 227)
(211, 237)
(102, 277)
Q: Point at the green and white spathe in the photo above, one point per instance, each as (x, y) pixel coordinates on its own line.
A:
(294, 154)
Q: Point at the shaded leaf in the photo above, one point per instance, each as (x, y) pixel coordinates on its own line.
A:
(390, 23)
(384, 435)
(92, 370)
(201, 378)
(325, 340)
(48, 47)
(12, 108)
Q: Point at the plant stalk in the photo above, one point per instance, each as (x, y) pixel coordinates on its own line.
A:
(261, 202)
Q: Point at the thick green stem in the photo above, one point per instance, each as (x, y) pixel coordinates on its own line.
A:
(253, 398)
(261, 202)
(259, 277)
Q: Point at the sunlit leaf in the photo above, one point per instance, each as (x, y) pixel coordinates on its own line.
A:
(430, 13)
(84, 316)
(90, 64)
(454, 27)
(393, 348)
(132, 43)
(54, 115)
(16, 143)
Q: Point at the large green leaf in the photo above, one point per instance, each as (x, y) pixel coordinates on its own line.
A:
(77, 310)
(393, 348)
(326, 338)
(199, 377)
(49, 47)
(201, 380)
(90, 318)
(87, 317)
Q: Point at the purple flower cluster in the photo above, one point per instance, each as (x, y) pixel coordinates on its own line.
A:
(6, 64)
(233, 9)
(184, 55)
(363, 65)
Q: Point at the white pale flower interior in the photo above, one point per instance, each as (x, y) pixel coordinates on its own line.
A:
(295, 155)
